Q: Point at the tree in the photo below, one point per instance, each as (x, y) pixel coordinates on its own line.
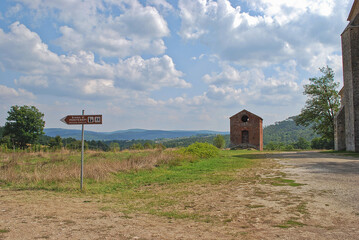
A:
(56, 142)
(321, 143)
(302, 143)
(147, 145)
(219, 141)
(136, 146)
(1, 132)
(322, 104)
(24, 125)
(115, 146)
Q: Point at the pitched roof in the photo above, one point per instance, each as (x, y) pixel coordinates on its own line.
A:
(354, 11)
(244, 110)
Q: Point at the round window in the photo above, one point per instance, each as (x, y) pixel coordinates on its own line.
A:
(245, 118)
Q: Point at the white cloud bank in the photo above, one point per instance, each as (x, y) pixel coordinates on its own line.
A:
(23, 51)
(277, 31)
(109, 28)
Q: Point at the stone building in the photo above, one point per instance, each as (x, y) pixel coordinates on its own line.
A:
(246, 130)
(347, 118)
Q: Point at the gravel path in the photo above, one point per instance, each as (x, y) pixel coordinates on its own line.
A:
(338, 176)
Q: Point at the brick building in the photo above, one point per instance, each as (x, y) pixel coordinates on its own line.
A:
(347, 118)
(246, 130)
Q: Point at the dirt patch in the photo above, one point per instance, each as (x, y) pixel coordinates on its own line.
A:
(258, 205)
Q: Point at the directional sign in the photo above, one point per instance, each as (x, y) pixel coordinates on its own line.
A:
(82, 119)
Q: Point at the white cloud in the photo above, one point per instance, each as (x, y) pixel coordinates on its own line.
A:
(33, 81)
(78, 74)
(12, 95)
(161, 5)
(283, 11)
(277, 31)
(149, 74)
(232, 76)
(24, 51)
(13, 10)
(136, 30)
(232, 86)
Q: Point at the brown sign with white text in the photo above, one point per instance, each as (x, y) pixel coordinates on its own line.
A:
(82, 119)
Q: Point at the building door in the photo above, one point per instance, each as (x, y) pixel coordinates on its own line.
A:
(245, 136)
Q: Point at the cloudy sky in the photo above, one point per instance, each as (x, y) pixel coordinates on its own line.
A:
(157, 64)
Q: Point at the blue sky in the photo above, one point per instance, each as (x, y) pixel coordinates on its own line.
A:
(157, 64)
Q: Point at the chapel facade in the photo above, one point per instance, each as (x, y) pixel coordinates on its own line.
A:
(246, 130)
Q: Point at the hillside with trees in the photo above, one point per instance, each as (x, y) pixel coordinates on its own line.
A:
(287, 132)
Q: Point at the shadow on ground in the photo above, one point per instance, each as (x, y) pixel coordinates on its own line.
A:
(318, 162)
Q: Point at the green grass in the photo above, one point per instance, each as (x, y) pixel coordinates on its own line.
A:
(214, 170)
(290, 223)
(302, 208)
(4, 230)
(279, 181)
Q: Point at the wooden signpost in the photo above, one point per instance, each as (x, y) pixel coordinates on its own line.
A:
(82, 120)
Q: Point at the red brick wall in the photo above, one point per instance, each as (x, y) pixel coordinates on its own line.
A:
(254, 126)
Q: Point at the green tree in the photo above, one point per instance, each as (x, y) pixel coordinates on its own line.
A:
(147, 145)
(160, 146)
(321, 143)
(322, 104)
(302, 143)
(115, 146)
(219, 141)
(1, 132)
(137, 146)
(55, 143)
(24, 125)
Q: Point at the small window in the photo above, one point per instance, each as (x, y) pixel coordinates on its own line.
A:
(245, 118)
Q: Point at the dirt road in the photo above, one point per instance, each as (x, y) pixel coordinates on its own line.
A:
(336, 175)
(326, 207)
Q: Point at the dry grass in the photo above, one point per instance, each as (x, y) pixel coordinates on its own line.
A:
(65, 166)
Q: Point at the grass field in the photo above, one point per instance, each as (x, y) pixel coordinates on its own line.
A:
(165, 183)
(191, 193)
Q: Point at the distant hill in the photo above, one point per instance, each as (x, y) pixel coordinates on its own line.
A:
(287, 132)
(130, 134)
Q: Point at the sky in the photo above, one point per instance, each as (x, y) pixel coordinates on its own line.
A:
(169, 65)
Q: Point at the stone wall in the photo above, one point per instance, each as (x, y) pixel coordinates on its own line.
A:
(340, 130)
(350, 51)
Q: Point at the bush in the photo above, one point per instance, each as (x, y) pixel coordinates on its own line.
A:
(322, 143)
(136, 146)
(302, 143)
(274, 146)
(202, 150)
(219, 141)
(147, 145)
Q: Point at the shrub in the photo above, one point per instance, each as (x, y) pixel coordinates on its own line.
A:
(136, 146)
(322, 143)
(219, 141)
(202, 150)
(302, 143)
